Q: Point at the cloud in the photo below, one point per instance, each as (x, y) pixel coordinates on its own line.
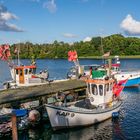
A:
(69, 35)
(87, 39)
(5, 16)
(130, 26)
(50, 5)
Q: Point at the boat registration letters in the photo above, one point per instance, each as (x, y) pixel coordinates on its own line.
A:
(63, 113)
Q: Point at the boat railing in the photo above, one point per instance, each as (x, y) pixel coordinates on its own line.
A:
(108, 104)
(130, 70)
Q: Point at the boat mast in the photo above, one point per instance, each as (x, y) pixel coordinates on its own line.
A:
(102, 50)
(18, 50)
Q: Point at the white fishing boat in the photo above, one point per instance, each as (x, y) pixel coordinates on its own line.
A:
(101, 102)
(22, 75)
(25, 76)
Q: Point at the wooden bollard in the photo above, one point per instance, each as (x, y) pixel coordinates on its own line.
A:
(14, 127)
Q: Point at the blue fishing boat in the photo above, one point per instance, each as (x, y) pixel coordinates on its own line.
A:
(133, 78)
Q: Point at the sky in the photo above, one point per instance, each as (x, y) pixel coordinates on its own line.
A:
(44, 21)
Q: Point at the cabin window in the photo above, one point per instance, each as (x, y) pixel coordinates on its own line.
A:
(88, 86)
(107, 87)
(30, 71)
(105, 90)
(26, 71)
(34, 70)
(21, 73)
(101, 90)
(94, 89)
(16, 72)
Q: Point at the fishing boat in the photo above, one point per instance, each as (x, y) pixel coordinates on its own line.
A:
(22, 75)
(79, 71)
(133, 78)
(103, 100)
(82, 71)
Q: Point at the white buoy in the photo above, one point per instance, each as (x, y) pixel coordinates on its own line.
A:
(34, 116)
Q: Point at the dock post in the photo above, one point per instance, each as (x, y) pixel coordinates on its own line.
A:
(14, 127)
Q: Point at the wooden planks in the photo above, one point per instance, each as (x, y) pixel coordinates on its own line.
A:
(12, 95)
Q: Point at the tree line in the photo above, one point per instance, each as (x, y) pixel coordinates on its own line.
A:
(117, 44)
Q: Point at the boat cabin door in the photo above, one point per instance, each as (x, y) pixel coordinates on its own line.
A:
(21, 76)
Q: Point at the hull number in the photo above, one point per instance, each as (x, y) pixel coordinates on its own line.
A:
(62, 113)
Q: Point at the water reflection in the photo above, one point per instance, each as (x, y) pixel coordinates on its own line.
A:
(132, 90)
(103, 130)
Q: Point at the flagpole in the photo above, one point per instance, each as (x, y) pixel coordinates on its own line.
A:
(18, 50)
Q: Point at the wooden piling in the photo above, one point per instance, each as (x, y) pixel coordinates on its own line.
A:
(14, 127)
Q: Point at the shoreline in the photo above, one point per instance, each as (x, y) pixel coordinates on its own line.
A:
(96, 57)
(121, 57)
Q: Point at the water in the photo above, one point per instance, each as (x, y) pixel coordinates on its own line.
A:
(127, 127)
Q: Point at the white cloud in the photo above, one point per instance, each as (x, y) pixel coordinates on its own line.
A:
(5, 16)
(50, 5)
(130, 26)
(87, 39)
(69, 35)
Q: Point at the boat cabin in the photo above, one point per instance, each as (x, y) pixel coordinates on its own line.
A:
(23, 74)
(100, 91)
(115, 68)
(87, 68)
(82, 70)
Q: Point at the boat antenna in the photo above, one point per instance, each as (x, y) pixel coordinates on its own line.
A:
(18, 50)
(102, 49)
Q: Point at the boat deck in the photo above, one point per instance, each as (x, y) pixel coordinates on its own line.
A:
(83, 107)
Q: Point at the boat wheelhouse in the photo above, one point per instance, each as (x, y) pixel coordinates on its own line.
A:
(24, 74)
(100, 91)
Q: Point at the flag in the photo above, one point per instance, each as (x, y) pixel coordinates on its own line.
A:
(72, 55)
(106, 54)
(4, 52)
(16, 50)
(118, 87)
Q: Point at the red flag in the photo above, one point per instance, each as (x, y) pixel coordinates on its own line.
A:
(72, 56)
(1, 51)
(118, 87)
(4, 52)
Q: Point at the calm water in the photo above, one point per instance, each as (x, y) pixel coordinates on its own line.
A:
(126, 128)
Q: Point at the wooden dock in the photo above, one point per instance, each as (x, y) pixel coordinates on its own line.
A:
(40, 91)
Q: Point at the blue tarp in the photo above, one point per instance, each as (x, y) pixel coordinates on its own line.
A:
(20, 112)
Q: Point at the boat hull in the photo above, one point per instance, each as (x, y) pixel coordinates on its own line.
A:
(133, 78)
(133, 82)
(62, 117)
